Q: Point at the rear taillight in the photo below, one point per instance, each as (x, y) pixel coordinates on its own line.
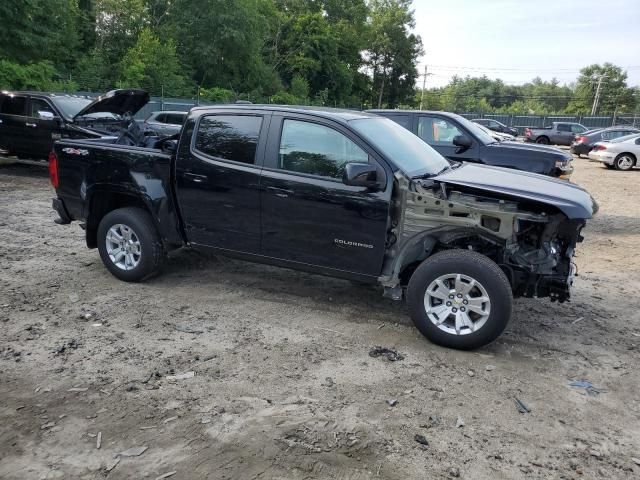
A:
(53, 169)
(581, 139)
(527, 132)
(600, 147)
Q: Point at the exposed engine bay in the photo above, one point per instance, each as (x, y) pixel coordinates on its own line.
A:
(532, 242)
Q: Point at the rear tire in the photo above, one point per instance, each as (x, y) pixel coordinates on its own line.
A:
(459, 320)
(543, 140)
(624, 162)
(129, 244)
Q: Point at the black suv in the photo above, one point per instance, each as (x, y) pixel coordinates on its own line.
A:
(31, 121)
(461, 140)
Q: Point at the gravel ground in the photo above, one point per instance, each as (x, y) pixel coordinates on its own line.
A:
(284, 385)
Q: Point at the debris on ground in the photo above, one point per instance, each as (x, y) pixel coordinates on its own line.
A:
(99, 440)
(490, 368)
(132, 452)
(588, 387)
(187, 329)
(635, 460)
(181, 376)
(460, 422)
(421, 439)
(392, 402)
(471, 373)
(388, 353)
(166, 475)
(112, 464)
(454, 472)
(520, 405)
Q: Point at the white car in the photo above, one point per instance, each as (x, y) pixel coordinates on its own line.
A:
(620, 153)
(498, 136)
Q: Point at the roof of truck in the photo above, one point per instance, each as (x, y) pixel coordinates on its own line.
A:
(325, 112)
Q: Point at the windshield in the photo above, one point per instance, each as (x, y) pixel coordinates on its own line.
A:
(70, 106)
(475, 129)
(625, 138)
(406, 150)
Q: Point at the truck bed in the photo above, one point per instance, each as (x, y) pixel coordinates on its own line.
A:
(86, 168)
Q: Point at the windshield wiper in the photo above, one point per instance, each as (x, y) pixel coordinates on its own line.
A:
(429, 175)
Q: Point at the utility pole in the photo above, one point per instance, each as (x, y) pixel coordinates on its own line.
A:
(424, 85)
(596, 99)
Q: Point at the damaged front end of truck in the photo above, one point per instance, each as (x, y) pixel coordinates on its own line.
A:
(531, 234)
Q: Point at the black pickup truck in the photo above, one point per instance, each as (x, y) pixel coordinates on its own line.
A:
(461, 140)
(340, 193)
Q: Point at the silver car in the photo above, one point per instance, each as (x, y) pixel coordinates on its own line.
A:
(621, 153)
(165, 123)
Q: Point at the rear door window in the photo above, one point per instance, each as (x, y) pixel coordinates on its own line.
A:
(160, 118)
(14, 105)
(175, 119)
(563, 127)
(402, 120)
(229, 137)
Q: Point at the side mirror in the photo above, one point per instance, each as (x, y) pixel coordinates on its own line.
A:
(360, 175)
(462, 142)
(49, 116)
(170, 146)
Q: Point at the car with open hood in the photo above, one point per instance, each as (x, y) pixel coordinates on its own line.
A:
(334, 192)
(31, 121)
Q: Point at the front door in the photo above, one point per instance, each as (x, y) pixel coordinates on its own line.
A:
(439, 133)
(309, 215)
(45, 127)
(218, 180)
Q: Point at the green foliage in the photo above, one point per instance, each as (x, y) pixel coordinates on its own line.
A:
(614, 93)
(217, 95)
(154, 66)
(355, 53)
(33, 76)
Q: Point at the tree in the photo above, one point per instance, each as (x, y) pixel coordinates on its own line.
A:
(393, 52)
(614, 92)
(153, 65)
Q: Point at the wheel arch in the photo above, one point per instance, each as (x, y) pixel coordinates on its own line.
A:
(630, 154)
(421, 246)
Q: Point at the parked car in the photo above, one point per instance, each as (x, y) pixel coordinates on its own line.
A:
(165, 122)
(341, 193)
(461, 140)
(31, 121)
(559, 133)
(583, 144)
(496, 126)
(621, 153)
(500, 137)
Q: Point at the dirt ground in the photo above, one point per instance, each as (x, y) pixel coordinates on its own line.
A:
(284, 386)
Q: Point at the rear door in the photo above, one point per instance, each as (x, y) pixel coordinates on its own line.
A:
(14, 133)
(309, 215)
(218, 180)
(563, 134)
(439, 132)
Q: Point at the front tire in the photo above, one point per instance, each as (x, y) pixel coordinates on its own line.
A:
(624, 161)
(543, 140)
(129, 244)
(459, 299)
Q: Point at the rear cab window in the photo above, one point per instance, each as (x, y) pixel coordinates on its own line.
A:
(175, 118)
(229, 137)
(14, 105)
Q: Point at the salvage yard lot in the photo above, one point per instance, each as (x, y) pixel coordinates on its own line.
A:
(284, 385)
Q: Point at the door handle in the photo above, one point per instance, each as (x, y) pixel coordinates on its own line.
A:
(32, 125)
(280, 192)
(195, 177)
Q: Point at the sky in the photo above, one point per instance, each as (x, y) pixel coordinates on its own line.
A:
(517, 40)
